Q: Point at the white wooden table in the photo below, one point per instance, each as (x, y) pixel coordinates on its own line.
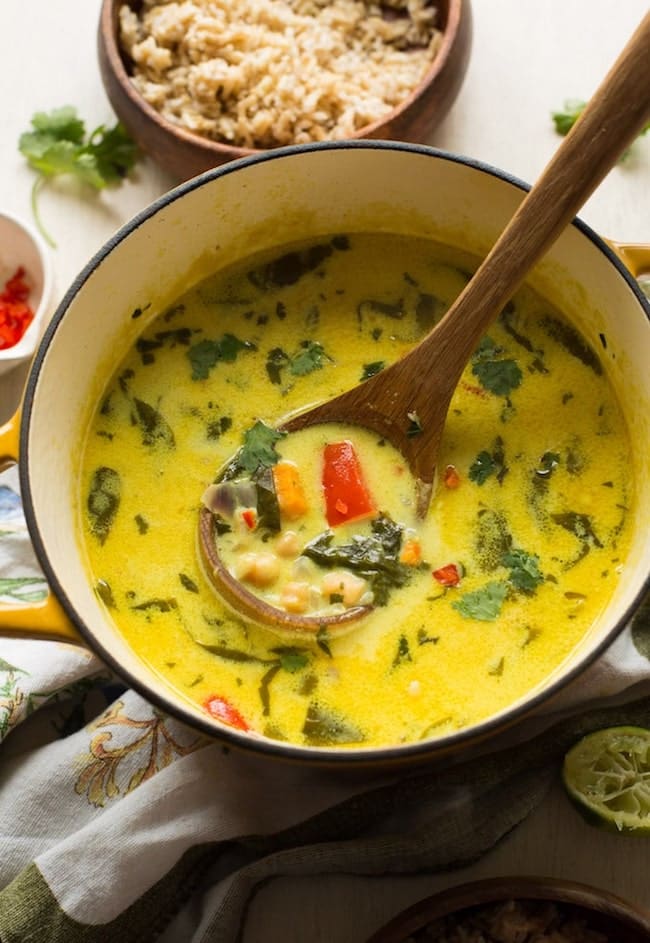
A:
(527, 58)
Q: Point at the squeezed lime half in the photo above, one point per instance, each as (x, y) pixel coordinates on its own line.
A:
(607, 775)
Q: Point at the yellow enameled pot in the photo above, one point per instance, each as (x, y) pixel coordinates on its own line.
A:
(257, 203)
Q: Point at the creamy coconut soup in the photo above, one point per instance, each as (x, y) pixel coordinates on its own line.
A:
(468, 610)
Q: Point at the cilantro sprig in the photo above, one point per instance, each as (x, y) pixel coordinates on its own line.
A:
(573, 108)
(57, 145)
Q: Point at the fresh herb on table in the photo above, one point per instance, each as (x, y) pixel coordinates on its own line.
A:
(567, 117)
(58, 145)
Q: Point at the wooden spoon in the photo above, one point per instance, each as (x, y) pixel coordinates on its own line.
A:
(421, 383)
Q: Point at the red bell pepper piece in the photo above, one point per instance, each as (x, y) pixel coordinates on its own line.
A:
(448, 575)
(346, 494)
(222, 710)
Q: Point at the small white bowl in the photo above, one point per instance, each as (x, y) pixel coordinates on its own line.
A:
(21, 245)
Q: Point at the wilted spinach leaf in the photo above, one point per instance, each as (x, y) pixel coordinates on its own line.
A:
(103, 501)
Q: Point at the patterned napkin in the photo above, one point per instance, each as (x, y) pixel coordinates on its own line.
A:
(118, 823)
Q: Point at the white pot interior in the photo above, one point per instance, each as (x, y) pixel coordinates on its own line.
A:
(262, 203)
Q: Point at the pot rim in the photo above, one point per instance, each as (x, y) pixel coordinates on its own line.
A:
(338, 757)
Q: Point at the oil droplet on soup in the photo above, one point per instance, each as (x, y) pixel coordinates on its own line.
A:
(523, 545)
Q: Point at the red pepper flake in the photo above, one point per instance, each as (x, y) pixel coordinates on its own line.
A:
(452, 478)
(15, 314)
(448, 575)
(222, 710)
(475, 390)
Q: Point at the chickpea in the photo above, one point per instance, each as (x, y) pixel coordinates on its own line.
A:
(295, 597)
(260, 569)
(345, 584)
(288, 544)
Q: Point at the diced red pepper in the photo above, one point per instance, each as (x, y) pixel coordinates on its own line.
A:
(15, 314)
(452, 478)
(249, 517)
(346, 494)
(448, 575)
(222, 710)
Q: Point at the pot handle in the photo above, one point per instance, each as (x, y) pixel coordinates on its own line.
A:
(634, 255)
(43, 620)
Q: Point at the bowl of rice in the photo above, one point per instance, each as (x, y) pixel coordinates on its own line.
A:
(518, 910)
(200, 82)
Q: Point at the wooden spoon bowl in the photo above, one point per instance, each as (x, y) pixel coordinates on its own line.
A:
(247, 603)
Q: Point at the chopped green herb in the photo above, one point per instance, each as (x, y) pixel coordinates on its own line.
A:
(207, 354)
(524, 569)
(491, 463)
(105, 593)
(162, 605)
(141, 523)
(323, 727)
(188, 583)
(415, 425)
(292, 659)
(483, 604)
(323, 640)
(568, 338)
(493, 539)
(154, 427)
(103, 501)
(258, 448)
(371, 369)
(403, 652)
(311, 357)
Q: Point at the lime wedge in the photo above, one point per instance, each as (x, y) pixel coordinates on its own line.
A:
(607, 775)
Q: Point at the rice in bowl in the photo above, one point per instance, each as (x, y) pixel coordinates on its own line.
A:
(265, 73)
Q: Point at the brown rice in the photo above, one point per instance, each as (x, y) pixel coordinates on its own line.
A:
(262, 73)
(522, 921)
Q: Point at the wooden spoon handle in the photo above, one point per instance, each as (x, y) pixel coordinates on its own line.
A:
(611, 120)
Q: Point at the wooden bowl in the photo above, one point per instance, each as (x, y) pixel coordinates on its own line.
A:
(619, 921)
(185, 154)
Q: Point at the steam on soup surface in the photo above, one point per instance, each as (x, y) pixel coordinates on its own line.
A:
(522, 547)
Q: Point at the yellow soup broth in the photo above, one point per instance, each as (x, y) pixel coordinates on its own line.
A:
(522, 547)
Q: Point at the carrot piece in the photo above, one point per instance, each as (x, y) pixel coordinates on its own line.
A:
(289, 490)
(346, 495)
(411, 553)
(452, 478)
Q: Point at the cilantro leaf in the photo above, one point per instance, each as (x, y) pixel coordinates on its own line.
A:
(525, 574)
(491, 463)
(564, 120)
(56, 145)
(573, 108)
(311, 357)
(259, 447)
(483, 604)
(207, 354)
(495, 373)
(500, 377)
